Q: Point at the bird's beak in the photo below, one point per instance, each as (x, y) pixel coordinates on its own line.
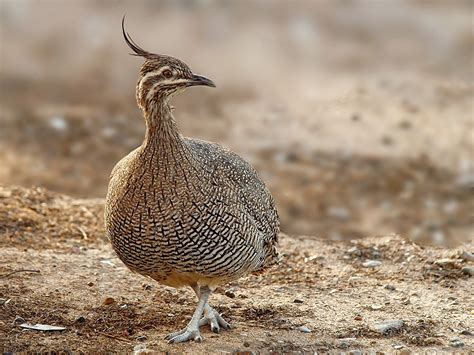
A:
(201, 80)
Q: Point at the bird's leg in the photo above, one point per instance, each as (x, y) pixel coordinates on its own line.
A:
(192, 329)
(211, 316)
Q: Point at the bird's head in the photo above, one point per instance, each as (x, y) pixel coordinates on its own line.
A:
(161, 76)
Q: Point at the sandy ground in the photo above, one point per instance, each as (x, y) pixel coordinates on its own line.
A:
(321, 285)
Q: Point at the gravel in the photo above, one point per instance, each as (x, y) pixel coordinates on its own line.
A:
(372, 263)
(304, 329)
(109, 301)
(230, 294)
(139, 349)
(388, 326)
(468, 270)
(456, 343)
(340, 213)
(80, 319)
(446, 262)
(467, 256)
(346, 342)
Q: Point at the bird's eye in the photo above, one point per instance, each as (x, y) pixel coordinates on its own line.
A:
(167, 73)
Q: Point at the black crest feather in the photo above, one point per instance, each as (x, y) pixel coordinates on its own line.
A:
(138, 51)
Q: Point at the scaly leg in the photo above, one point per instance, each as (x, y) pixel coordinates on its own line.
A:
(192, 329)
(211, 316)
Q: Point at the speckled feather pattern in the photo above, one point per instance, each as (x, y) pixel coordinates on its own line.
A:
(184, 211)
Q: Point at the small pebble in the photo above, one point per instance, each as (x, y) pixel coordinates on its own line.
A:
(246, 344)
(109, 132)
(388, 326)
(353, 250)
(359, 318)
(141, 337)
(467, 256)
(139, 349)
(372, 263)
(467, 332)
(304, 329)
(339, 212)
(230, 294)
(244, 352)
(431, 341)
(297, 300)
(80, 319)
(456, 343)
(108, 301)
(445, 262)
(468, 270)
(376, 307)
(90, 284)
(58, 123)
(107, 262)
(346, 342)
(390, 287)
(397, 347)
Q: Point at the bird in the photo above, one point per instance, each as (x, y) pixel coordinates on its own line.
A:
(183, 211)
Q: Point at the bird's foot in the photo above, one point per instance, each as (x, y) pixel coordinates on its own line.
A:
(214, 319)
(186, 334)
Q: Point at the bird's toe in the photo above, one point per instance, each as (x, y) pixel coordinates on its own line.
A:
(214, 319)
(184, 335)
(222, 322)
(175, 334)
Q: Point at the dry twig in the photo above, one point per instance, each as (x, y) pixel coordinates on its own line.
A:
(16, 271)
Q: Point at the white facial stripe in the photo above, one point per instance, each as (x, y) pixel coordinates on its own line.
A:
(174, 81)
(152, 73)
(151, 92)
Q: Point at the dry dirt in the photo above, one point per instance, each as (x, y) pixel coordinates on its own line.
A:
(320, 284)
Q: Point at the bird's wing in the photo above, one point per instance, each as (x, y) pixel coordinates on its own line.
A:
(252, 194)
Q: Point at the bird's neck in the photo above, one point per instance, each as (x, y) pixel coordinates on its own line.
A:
(162, 133)
(164, 152)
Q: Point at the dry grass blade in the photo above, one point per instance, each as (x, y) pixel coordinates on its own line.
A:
(17, 271)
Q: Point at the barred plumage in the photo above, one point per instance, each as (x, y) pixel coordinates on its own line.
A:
(182, 211)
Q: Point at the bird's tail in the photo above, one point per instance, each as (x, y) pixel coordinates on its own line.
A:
(272, 258)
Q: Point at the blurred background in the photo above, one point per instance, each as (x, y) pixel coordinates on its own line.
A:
(358, 114)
